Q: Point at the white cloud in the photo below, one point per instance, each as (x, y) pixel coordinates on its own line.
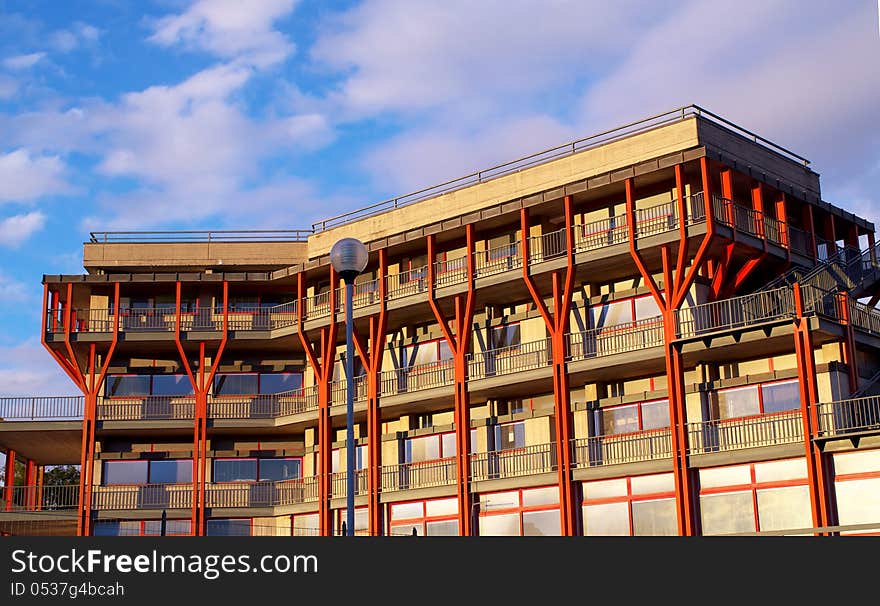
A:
(230, 29)
(8, 86)
(19, 62)
(24, 177)
(11, 290)
(27, 369)
(16, 229)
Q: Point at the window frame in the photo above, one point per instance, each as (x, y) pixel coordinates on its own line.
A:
(519, 508)
(629, 498)
(424, 519)
(256, 479)
(639, 416)
(149, 463)
(760, 389)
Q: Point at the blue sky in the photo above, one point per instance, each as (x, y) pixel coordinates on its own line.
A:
(226, 114)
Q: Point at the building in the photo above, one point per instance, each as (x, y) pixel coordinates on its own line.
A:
(655, 330)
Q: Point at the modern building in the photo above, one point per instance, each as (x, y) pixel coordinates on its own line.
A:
(654, 330)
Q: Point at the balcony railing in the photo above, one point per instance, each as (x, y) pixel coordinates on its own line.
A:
(864, 317)
(258, 318)
(150, 319)
(418, 377)
(736, 312)
(626, 448)
(424, 474)
(339, 483)
(514, 462)
(50, 408)
(849, 416)
(142, 496)
(147, 408)
(339, 389)
(620, 338)
(40, 498)
(508, 360)
(264, 406)
(748, 432)
(261, 494)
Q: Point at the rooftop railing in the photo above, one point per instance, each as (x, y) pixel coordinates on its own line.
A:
(613, 449)
(424, 474)
(46, 408)
(720, 435)
(549, 155)
(216, 235)
(849, 416)
(514, 462)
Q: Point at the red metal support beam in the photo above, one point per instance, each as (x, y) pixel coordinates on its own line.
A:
(371, 355)
(9, 480)
(849, 342)
(557, 328)
(458, 338)
(758, 207)
(30, 480)
(323, 370)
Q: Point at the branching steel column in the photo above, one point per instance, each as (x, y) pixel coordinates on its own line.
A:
(459, 338)
(323, 371)
(557, 327)
(806, 367)
(371, 355)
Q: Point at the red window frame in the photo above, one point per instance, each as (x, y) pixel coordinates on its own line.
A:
(259, 376)
(439, 437)
(653, 321)
(862, 475)
(407, 349)
(629, 498)
(143, 524)
(149, 471)
(257, 479)
(638, 406)
(519, 508)
(760, 388)
(423, 520)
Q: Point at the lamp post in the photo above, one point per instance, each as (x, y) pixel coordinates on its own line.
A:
(349, 258)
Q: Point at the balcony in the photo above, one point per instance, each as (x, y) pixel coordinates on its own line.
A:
(509, 360)
(143, 496)
(417, 377)
(423, 474)
(51, 408)
(238, 495)
(721, 435)
(339, 483)
(610, 340)
(844, 418)
(598, 451)
(40, 498)
(146, 408)
(735, 313)
(265, 406)
(339, 390)
(515, 462)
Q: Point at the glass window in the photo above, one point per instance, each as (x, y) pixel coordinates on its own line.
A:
(654, 518)
(339, 463)
(424, 353)
(505, 336)
(402, 511)
(727, 513)
(602, 489)
(740, 402)
(229, 528)
(441, 507)
(607, 519)
(541, 523)
(447, 441)
(235, 470)
(510, 435)
(612, 314)
(652, 484)
(426, 448)
(280, 382)
(725, 476)
(655, 415)
(172, 385)
(178, 471)
(777, 471)
(279, 469)
(784, 508)
(500, 525)
(620, 419)
(646, 308)
(408, 529)
(239, 384)
(856, 462)
(540, 496)
(779, 397)
(446, 528)
(444, 352)
(857, 501)
(117, 528)
(499, 500)
(125, 472)
(306, 525)
(172, 527)
(127, 386)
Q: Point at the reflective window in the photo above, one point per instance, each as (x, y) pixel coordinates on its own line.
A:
(500, 525)
(784, 508)
(510, 435)
(739, 402)
(506, 336)
(178, 471)
(171, 385)
(125, 472)
(172, 527)
(279, 469)
(436, 517)
(235, 470)
(238, 527)
(526, 512)
(127, 385)
(779, 397)
(654, 518)
(447, 528)
(727, 513)
(606, 519)
(339, 463)
(280, 382)
(237, 384)
(541, 524)
(630, 418)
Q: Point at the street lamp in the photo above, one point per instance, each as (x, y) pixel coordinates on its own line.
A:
(349, 258)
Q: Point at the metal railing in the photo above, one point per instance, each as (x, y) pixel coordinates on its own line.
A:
(146, 408)
(547, 155)
(264, 406)
(261, 494)
(620, 338)
(864, 317)
(528, 460)
(339, 483)
(626, 448)
(853, 415)
(257, 318)
(44, 408)
(512, 359)
(720, 435)
(318, 306)
(216, 235)
(151, 319)
(736, 312)
(498, 259)
(417, 377)
(551, 245)
(40, 498)
(339, 390)
(142, 496)
(424, 474)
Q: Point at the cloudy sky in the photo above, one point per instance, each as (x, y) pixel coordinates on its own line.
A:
(227, 114)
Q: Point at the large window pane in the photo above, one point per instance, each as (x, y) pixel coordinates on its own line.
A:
(426, 448)
(540, 496)
(499, 500)
(653, 484)
(779, 397)
(734, 475)
(541, 523)
(125, 472)
(856, 462)
(172, 385)
(235, 385)
(172, 527)
(499, 525)
(727, 513)
(655, 415)
(510, 435)
(403, 511)
(171, 472)
(441, 507)
(741, 402)
(612, 314)
(407, 529)
(620, 419)
(777, 471)
(654, 518)
(279, 469)
(235, 470)
(857, 501)
(601, 489)
(229, 528)
(784, 508)
(608, 519)
(425, 353)
(280, 382)
(646, 308)
(448, 528)
(448, 443)
(306, 525)
(126, 386)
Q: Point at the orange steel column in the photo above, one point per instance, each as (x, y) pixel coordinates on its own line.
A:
(201, 384)
(849, 342)
(806, 367)
(557, 326)
(323, 370)
(89, 384)
(459, 339)
(782, 217)
(9, 488)
(675, 288)
(371, 355)
(30, 480)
